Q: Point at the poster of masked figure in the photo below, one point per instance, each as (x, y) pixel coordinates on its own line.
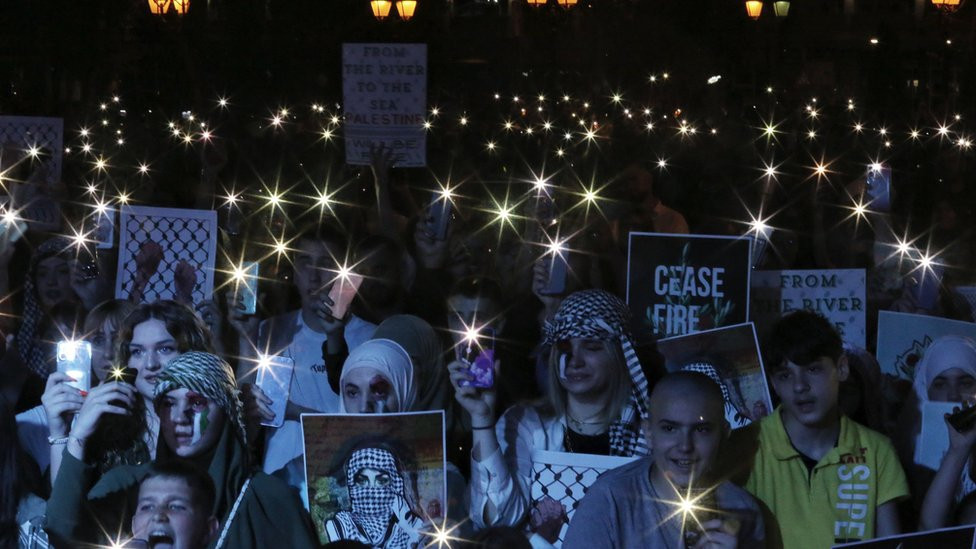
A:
(378, 479)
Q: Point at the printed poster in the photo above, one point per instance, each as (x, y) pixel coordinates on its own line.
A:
(166, 253)
(960, 537)
(366, 472)
(681, 284)
(935, 434)
(903, 338)
(31, 155)
(384, 91)
(559, 482)
(731, 357)
(837, 294)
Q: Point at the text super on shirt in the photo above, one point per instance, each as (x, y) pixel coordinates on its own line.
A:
(288, 335)
(836, 501)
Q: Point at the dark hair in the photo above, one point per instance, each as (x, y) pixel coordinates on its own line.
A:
(66, 313)
(475, 287)
(190, 333)
(499, 537)
(204, 494)
(324, 232)
(801, 337)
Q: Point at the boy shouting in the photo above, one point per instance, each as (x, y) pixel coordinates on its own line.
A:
(825, 478)
(672, 499)
(175, 508)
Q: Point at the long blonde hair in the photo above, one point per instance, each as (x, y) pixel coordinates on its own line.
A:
(618, 386)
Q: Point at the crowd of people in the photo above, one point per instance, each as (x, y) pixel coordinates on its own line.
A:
(173, 444)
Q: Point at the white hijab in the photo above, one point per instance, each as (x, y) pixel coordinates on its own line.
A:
(392, 361)
(943, 354)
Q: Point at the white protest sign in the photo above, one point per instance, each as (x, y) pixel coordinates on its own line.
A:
(384, 89)
(836, 294)
(935, 435)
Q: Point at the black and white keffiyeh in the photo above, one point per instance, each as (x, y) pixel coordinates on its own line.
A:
(372, 506)
(208, 375)
(597, 314)
(31, 353)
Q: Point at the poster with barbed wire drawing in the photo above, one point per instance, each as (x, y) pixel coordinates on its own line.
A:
(960, 537)
(379, 479)
(559, 482)
(731, 357)
(166, 253)
(682, 284)
(903, 338)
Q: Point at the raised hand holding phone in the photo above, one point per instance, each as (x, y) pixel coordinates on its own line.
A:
(274, 379)
(478, 352)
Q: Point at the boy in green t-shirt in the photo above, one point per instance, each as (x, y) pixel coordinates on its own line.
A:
(825, 478)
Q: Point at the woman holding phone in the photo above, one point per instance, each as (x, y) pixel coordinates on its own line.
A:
(594, 406)
(114, 423)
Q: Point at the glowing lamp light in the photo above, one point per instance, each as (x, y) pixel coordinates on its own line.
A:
(181, 6)
(159, 7)
(405, 8)
(381, 8)
(947, 6)
(781, 8)
(566, 3)
(535, 2)
(754, 9)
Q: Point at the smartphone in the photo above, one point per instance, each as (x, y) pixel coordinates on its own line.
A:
(704, 510)
(558, 271)
(274, 378)
(74, 359)
(125, 375)
(759, 245)
(479, 355)
(248, 289)
(438, 216)
(926, 289)
(88, 265)
(342, 292)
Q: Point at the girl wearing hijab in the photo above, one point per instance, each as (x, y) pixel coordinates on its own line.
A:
(198, 403)
(595, 406)
(381, 513)
(947, 373)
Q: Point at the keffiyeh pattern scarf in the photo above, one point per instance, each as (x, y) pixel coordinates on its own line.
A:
(209, 376)
(31, 353)
(597, 314)
(372, 505)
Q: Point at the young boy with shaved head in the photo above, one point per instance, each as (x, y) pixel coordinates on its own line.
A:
(671, 499)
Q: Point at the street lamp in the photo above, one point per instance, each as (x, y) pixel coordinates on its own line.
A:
(536, 2)
(181, 6)
(381, 8)
(782, 8)
(162, 7)
(947, 6)
(405, 8)
(566, 3)
(754, 8)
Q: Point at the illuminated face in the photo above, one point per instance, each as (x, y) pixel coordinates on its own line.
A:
(189, 422)
(366, 390)
(810, 392)
(103, 342)
(685, 431)
(474, 312)
(952, 385)
(52, 279)
(315, 267)
(372, 478)
(589, 364)
(151, 348)
(168, 517)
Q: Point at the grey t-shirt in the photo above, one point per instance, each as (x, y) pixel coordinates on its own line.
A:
(622, 510)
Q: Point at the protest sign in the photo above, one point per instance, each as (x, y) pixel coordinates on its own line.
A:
(561, 479)
(903, 338)
(680, 284)
(960, 537)
(166, 253)
(731, 357)
(837, 294)
(384, 90)
(934, 435)
(345, 456)
(30, 157)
